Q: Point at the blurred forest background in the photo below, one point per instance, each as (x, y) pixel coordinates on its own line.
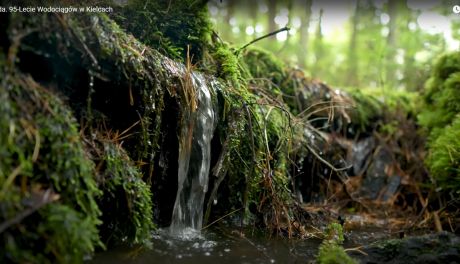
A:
(353, 43)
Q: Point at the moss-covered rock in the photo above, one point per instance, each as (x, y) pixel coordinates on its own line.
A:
(334, 231)
(228, 65)
(174, 28)
(444, 157)
(264, 64)
(372, 109)
(433, 248)
(439, 119)
(330, 251)
(442, 96)
(126, 203)
(48, 211)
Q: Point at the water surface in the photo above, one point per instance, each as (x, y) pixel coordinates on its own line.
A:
(212, 247)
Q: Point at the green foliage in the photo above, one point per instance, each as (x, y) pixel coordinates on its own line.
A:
(371, 47)
(367, 109)
(258, 162)
(442, 95)
(332, 253)
(228, 64)
(127, 201)
(263, 64)
(169, 26)
(444, 157)
(334, 231)
(439, 118)
(269, 72)
(43, 171)
(132, 66)
(269, 185)
(391, 247)
(373, 108)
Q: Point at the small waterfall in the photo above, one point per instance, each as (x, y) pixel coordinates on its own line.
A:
(194, 161)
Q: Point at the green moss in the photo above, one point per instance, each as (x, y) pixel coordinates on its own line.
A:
(263, 64)
(332, 253)
(442, 96)
(228, 65)
(334, 231)
(446, 65)
(46, 180)
(391, 247)
(444, 157)
(169, 26)
(374, 104)
(439, 118)
(441, 106)
(132, 66)
(258, 165)
(126, 203)
(366, 109)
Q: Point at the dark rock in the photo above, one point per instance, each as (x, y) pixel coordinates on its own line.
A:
(360, 152)
(375, 178)
(392, 187)
(433, 248)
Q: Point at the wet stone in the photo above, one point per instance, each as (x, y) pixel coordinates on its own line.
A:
(360, 153)
(433, 248)
(392, 187)
(376, 178)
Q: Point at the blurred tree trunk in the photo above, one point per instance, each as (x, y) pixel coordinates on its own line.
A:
(271, 15)
(302, 51)
(352, 79)
(253, 12)
(318, 47)
(411, 42)
(226, 34)
(289, 7)
(230, 11)
(390, 77)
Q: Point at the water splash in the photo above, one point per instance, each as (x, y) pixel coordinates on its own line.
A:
(194, 161)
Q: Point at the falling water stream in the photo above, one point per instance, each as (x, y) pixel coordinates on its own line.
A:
(194, 160)
(183, 242)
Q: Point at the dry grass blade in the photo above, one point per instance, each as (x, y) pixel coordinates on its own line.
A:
(188, 87)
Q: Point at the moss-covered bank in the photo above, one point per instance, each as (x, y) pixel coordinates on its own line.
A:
(48, 211)
(441, 122)
(89, 140)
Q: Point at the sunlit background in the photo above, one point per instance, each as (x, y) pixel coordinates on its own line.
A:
(359, 43)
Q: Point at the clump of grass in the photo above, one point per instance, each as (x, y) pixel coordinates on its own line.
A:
(330, 251)
(126, 202)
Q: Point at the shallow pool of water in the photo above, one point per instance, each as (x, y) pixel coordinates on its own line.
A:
(227, 246)
(213, 247)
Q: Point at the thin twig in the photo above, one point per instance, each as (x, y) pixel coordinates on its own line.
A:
(264, 36)
(357, 249)
(332, 167)
(46, 198)
(222, 217)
